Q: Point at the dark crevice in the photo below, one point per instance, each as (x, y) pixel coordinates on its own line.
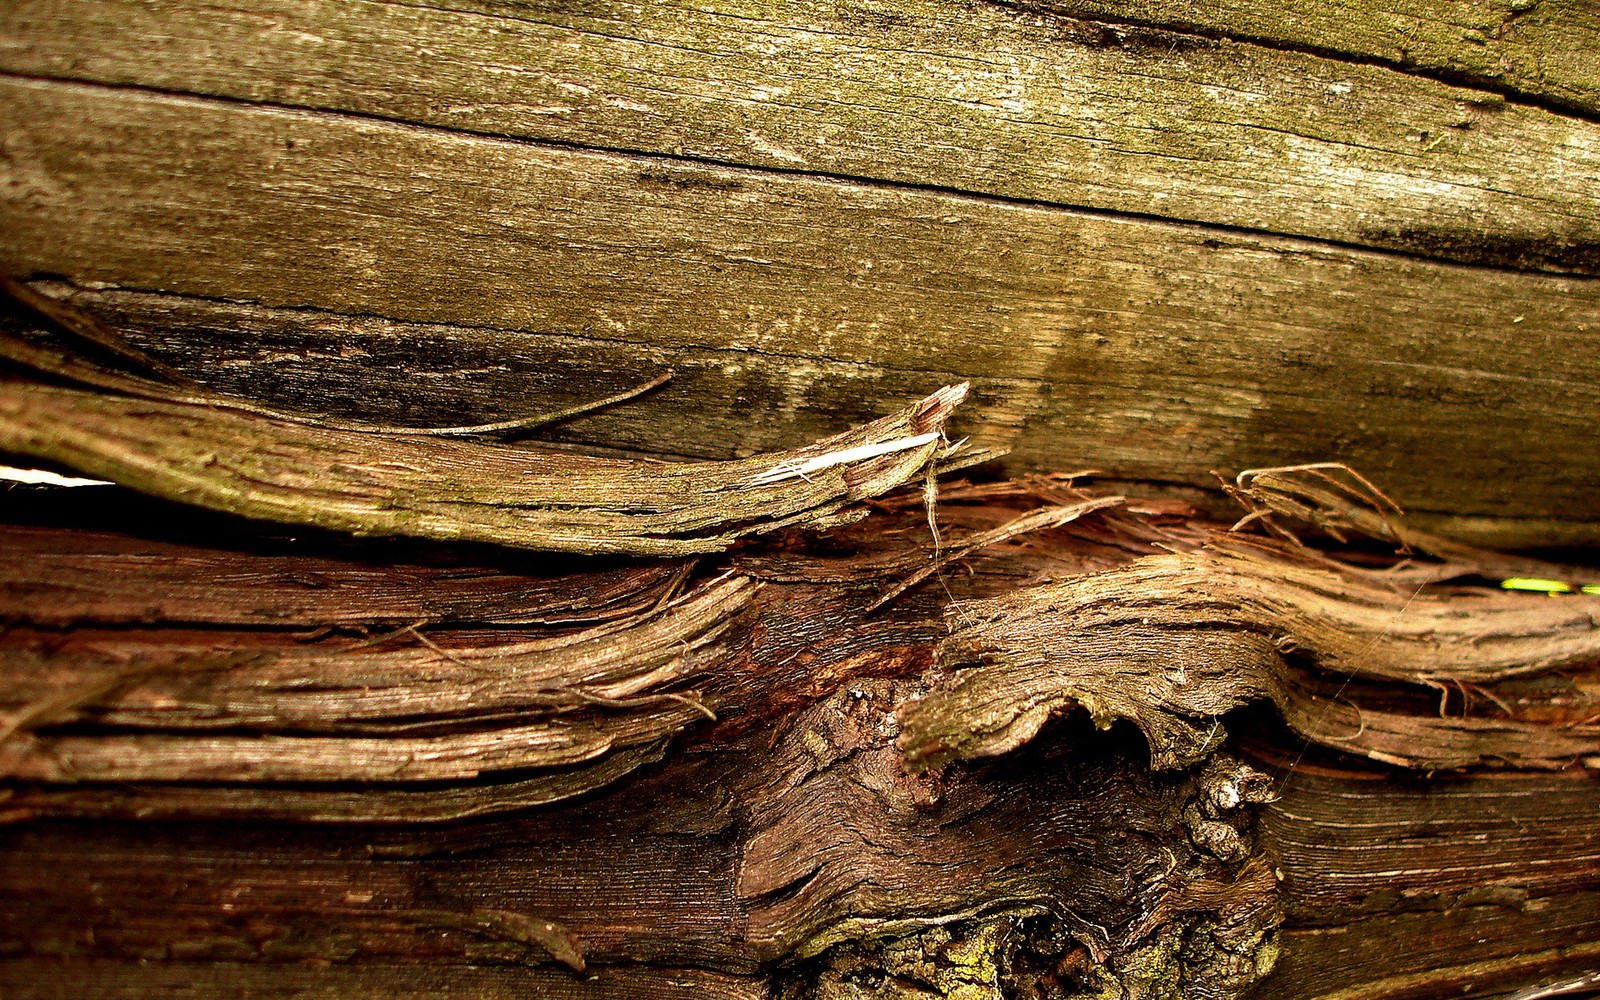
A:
(1036, 384)
(586, 337)
(1505, 263)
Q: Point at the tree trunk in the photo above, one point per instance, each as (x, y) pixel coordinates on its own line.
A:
(345, 689)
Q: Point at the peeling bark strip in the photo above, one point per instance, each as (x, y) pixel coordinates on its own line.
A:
(402, 485)
(337, 804)
(1173, 642)
(363, 687)
(413, 715)
(105, 578)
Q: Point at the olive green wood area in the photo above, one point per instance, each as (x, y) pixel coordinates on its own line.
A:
(1547, 52)
(1153, 350)
(969, 95)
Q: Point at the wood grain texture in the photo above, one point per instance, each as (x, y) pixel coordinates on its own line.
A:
(1155, 351)
(1542, 52)
(107, 578)
(109, 979)
(1479, 922)
(959, 94)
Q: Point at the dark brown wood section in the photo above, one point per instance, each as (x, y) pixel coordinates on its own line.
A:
(163, 818)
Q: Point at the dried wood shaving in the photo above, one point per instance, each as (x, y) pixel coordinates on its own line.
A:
(394, 484)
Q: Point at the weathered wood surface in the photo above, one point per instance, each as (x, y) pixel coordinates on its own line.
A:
(821, 210)
(1442, 847)
(971, 96)
(1542, 53)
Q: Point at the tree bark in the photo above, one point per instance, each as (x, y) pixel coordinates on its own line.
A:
(346, 688)
(877, 805)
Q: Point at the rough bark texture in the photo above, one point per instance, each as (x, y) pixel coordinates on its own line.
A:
(1171, 643)
(103, 578)
(791, 846)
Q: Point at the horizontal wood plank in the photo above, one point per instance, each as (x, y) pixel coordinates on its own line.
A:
(1152, 351)
(960, 94)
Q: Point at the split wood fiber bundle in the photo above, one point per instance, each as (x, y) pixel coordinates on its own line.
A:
(281, 470)
(230, 729)
(1172, 642)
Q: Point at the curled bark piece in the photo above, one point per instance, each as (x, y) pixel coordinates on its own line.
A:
(394, 484)
(1173, 642)
(1338, 501)
(1035, 520)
